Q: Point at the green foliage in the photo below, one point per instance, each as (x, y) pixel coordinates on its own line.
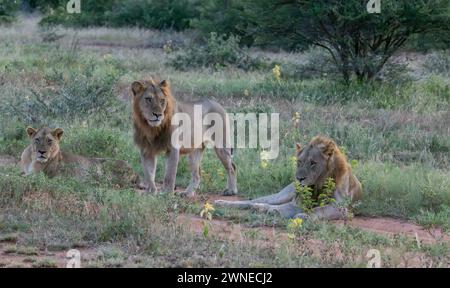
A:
(97, 142)
(305, 198)
(13, 138)
(308, 199)
(326, 194)
(437, 219)
(360, 43)
(401, 191)
(8, 10)
(218, 52)
(85, 89)
(224, 18)
(157, 14)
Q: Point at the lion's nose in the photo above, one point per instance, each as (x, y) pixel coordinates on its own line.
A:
(42, 151)
(301, 178)
(157, 115)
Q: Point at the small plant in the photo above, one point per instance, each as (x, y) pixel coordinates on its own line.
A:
(296, 119)
(207, 214)
(432, 220)
(45, 263)
(294, 227)
(438, 62)
(264, 156)
(306, 199)
(326, 194)
(276, 71)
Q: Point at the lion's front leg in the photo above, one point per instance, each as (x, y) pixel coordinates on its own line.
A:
(171, 170)
(149, 167)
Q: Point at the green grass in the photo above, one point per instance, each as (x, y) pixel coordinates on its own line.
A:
(397, 132)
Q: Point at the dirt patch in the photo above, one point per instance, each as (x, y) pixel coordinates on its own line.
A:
(392, 226)
(38, 258)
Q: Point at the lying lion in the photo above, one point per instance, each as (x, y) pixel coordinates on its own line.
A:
(153, 109)
(44, 154)
(320, 160)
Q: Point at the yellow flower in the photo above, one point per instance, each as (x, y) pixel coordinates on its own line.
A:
(295, 224)
(207, 211)
(246, 93)
(264, 164)
(296, 118)
(208, 207)
(277, 72)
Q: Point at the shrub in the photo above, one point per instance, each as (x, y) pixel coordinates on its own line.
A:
(222, 17)
(218, 52)
(438, 62)
(13, 137)
(86, 89)
(8, 9)
(98, 142)
(157, 14)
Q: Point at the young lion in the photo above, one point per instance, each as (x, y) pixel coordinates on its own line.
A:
(320, 160)
(153, 109)
(44, 154)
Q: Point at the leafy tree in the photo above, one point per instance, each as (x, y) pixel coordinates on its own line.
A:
(8, 9)
(157, 14)
(360, 43)
(224, 17)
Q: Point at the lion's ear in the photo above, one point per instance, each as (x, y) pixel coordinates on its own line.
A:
(137, 87)
(57, 133)
(31, 131)
(329, 149)
(164, 84)
(298, 147)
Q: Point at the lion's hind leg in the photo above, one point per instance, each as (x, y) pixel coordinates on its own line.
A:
(194, 163)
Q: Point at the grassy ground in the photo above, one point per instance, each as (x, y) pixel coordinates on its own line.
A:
(397, 131)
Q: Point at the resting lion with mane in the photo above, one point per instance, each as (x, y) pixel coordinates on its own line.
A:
(153, 110)
(44, 155)
(319, 160)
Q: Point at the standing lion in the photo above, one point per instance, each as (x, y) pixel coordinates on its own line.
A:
(153, 110)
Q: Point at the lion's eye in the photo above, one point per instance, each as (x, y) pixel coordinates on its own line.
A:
(49, 141)
(36, 141)
(312, 163)
(149, 100)
(162, 101)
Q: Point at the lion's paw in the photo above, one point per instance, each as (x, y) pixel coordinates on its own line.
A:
(228, 192)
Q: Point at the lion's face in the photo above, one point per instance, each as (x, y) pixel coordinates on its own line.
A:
(312, 163)
(151, 100)
(44, 143)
